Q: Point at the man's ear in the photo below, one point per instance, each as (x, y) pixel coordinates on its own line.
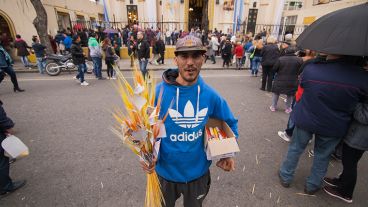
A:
(176, 60)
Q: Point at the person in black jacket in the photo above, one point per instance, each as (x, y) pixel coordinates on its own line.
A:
(143, 50)
(354, 145)
(270, 54)
(6, 184)
(6, 63)
(78, 59)
(161, 51)
(39, 50)
(226, 53)
(286, 81)
(131, 50)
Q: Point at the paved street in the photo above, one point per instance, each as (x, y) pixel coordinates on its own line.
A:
(76, 161)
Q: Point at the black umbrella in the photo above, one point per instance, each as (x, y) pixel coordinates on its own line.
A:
(343, 32)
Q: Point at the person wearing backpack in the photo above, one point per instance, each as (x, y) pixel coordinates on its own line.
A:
(109, 57)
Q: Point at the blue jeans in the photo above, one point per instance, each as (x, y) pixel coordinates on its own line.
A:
(256, 61)
(97, 66)
(323, 147)
(41, 63)
(143, 67)
(25, 61)
(81, 70)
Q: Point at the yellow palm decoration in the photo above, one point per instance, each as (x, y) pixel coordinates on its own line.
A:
(138, 127)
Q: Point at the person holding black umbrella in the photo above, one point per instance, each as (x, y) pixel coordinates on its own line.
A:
(323, 114)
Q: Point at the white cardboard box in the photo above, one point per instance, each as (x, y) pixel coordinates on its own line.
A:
(220, 148)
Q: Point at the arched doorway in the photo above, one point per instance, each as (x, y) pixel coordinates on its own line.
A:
(6, 25)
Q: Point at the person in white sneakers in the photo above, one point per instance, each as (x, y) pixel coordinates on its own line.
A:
(78, 59)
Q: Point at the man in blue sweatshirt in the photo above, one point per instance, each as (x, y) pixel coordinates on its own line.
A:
(182, 164)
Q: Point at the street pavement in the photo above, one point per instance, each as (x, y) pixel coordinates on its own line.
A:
(75, 160)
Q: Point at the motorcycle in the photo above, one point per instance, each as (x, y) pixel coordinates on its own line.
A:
(57, 63)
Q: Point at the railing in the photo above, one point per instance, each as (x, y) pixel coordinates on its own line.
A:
(170, 25)
(277, 31)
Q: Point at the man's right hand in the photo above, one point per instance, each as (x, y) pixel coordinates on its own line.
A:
(149, 169)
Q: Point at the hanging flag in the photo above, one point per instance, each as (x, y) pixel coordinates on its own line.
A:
(106, 15)
(240, 14)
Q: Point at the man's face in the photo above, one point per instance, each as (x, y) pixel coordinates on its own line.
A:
(189, 64)
(140, 35)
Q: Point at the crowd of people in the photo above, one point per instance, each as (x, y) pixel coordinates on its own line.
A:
(326, 94)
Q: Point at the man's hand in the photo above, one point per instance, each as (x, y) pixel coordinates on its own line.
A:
(227, 164)
(9, 131)
(149, 169)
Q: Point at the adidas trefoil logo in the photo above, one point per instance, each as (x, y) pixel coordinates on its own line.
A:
(189, 120)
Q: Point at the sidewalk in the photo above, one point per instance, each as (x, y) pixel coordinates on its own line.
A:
(125, 66)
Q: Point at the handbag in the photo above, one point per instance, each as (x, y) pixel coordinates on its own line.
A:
(252, 55)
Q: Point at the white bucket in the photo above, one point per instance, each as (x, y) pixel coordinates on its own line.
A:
(14, 147)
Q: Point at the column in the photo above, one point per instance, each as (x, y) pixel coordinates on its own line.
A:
(150, 12)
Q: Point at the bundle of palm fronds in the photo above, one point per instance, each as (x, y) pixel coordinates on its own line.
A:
(138, 125)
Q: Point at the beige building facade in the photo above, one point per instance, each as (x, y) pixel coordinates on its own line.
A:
(277, 16)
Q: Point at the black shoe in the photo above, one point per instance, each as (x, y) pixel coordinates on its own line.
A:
(310, 192)
(262, 89)
(18, 90)
(331, 181)
(282, 182)
(101, 78)
(15, 186)
(333, 191)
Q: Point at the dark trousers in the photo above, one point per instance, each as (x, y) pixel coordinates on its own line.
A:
(267, 77)
(350, 159)
(5, 180)
(290, 125)
(162, 58)
(110, 69)
(226, 61)
(13, 77)
(194, 192)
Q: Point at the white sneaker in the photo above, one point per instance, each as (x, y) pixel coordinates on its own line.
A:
(84, 83)
(113, 77)
(76, 79)
(283, 136)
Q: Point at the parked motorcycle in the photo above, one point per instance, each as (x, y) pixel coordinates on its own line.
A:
(57, 63)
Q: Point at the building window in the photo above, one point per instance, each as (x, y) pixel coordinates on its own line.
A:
(63, 20)
(80, 18)
(291, 20)
(293, 5)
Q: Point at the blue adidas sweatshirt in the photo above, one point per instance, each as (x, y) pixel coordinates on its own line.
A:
(182, 157)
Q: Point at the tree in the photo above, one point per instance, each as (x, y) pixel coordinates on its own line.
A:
(40, 22)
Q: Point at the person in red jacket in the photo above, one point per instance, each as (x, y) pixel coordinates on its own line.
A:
(238, 52)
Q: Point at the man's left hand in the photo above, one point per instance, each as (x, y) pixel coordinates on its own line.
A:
(227, 164)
